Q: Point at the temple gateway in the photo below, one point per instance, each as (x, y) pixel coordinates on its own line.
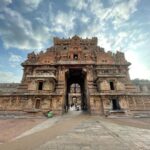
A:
(78, 72)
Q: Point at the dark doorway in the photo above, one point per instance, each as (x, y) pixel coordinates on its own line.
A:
(37, 104)
(112, 85)
(75, 56)
(115, 104)
(78, 77)
(40, 86)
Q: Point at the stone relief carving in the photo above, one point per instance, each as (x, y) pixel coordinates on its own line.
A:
(32, 85)
(120, 86)
(104, 85)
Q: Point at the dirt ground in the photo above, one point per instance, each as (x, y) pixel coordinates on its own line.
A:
(11, 128)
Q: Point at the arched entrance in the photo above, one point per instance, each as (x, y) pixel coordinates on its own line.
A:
(77, 77)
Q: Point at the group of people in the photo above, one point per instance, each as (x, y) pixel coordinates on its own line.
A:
(72, 107)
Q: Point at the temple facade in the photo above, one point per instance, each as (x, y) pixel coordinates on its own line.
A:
(77, 71)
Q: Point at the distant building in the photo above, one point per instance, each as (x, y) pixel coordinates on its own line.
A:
(77, 70)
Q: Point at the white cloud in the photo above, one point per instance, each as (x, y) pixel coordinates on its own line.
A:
(119, 11)
(15, 60)
(31, 4)
(115, 1)
(137, 68)
(137, 40)
(78, 4)
(18, 32)
(105, 42)
(64, 22)
(96, 7)
(119, 40)
(84, 18)
(98, 30)
(122, 11)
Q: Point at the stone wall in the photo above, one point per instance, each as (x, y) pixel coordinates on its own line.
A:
(139, 104)
(108, 106)
(129, 104)
(31, 103)
(8, 87)
(96, 105)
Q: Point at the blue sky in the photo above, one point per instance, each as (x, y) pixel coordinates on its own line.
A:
(27, 25)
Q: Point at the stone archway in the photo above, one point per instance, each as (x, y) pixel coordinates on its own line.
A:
(77, 76)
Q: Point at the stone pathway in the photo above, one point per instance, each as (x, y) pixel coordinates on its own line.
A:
(38, 138)
(78, 131)
(44, 125)
(50, 122)
(99, 134)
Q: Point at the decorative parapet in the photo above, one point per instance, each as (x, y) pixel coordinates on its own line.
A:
(110, 75)
(41, 76)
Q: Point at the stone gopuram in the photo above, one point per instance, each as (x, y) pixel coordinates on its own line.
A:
(76, 70)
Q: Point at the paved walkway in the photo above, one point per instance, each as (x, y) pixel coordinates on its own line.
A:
(83, 132)
(99, 134)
